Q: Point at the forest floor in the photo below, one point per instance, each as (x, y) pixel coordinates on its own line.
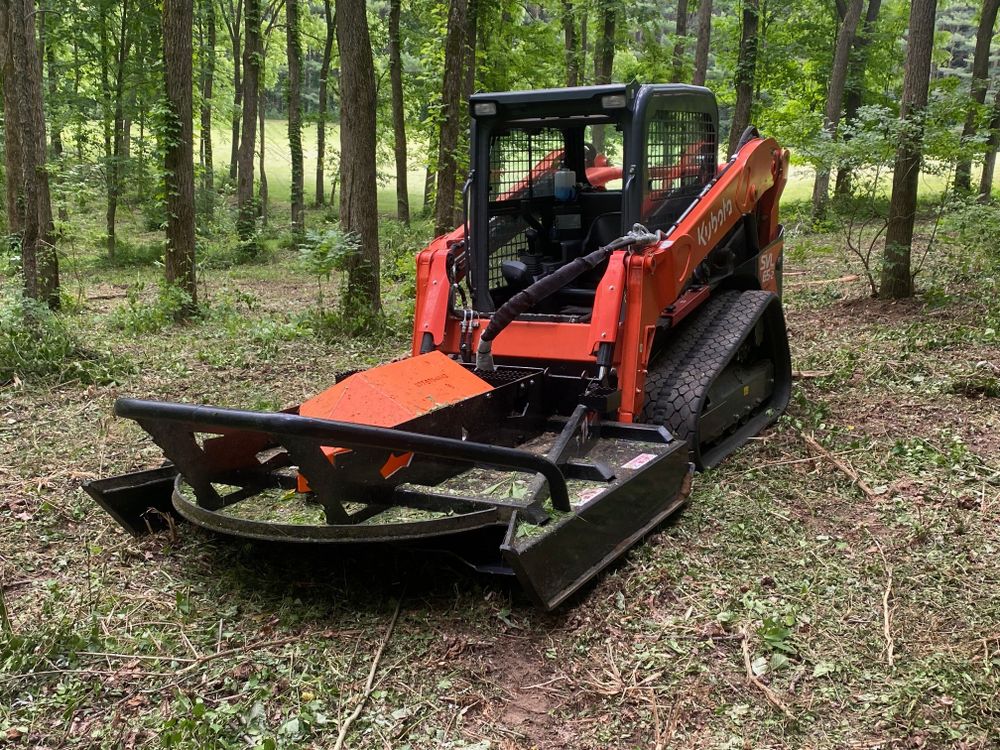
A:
(867, 608)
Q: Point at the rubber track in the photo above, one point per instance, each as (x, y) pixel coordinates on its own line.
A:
(678, 380)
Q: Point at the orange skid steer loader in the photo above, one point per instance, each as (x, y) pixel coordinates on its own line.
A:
(605, 321)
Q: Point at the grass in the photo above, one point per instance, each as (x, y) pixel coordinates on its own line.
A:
(871, 616)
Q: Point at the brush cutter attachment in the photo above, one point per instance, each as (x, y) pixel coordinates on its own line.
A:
(525, 461)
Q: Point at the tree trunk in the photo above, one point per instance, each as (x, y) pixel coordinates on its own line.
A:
(48, 54)
(572, 43)
(358, 197)
(469, 63)
(294, 43)
(834, 100)
(247, 218)
(704, 42)
(263, 195)
(990, 159)
(324, 76)
(398, 115)
(23, 68)
(124, 43)
(897, 280)
(979, 87)
(679, 43)
(127, 133)
(234, 20)
(447, 165)
(178, 160)
(52, 79)
(77, 80)
(746, 72)
(207, 84)
(468, 87)
(142, 150)
(13, 129)
(604, 59)
(604, 46)
(856, 86)
(107, 121)
(430, 181)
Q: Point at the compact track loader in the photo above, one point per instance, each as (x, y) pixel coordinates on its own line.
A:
(606, 321)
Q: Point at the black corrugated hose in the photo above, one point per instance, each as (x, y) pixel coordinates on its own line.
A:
(549, 285)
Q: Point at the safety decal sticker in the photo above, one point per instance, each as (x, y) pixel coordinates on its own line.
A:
(587, 495)
(639, 461)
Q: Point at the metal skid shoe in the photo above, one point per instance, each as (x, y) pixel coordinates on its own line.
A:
(525, 456)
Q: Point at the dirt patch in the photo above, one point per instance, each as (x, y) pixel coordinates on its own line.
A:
(532, 691)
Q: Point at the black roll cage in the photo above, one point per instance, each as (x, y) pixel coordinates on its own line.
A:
(492, 113)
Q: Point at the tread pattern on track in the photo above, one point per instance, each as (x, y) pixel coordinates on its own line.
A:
(677, 382)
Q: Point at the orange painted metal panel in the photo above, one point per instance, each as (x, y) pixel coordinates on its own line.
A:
(568, 342)
(394, 393)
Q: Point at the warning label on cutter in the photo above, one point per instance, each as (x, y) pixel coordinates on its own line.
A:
(589, 494)
(639, 461)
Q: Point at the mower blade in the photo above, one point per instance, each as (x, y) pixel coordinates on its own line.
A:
(141, 502)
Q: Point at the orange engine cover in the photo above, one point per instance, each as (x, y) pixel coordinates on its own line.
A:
(394, 393)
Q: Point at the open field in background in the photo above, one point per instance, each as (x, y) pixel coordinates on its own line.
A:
(869, 610)
(278, 165)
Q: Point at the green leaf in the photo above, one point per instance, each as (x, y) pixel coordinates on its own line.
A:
(777, 662)
(504, 616)
(824, 668)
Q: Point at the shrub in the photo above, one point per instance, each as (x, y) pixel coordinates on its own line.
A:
(10, 255)
(975, 228)
(353, 322)
(128, 253)
(400, 245)
(36, 343)
(137, 316)
(324, 251)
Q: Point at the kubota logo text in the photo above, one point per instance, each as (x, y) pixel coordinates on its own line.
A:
(715, 220)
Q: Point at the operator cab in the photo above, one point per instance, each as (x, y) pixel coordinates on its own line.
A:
(558, 173)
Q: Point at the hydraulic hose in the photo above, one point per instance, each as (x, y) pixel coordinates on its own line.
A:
(549, 285)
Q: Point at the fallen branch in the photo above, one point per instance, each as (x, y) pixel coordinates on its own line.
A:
(541, 685)
(346, 726)
(810, 374)
(845, 467)
(201, 660)
(256, 646)
(658, 736)
(753, 680)
(130, 657)
(820, 282)
(890, 644)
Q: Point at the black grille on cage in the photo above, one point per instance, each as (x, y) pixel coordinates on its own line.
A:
(680, 153)
(522, 165)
